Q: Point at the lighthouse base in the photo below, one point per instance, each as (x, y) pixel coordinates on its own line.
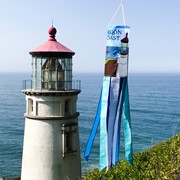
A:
(51, 150)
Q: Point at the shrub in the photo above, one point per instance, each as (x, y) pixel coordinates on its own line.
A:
(159, 162)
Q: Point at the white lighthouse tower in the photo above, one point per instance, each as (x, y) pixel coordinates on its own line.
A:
(51, 148)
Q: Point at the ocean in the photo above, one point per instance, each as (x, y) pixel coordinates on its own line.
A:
(154, 105)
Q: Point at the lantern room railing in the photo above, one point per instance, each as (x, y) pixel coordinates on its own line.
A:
(64, 85)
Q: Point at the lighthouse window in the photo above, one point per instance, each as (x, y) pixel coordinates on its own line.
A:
(69, 141)
(52, 75)
(67, 106)
(36, 73)
(30, 106)
(66, 64)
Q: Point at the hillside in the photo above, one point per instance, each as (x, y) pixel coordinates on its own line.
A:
(159, 162)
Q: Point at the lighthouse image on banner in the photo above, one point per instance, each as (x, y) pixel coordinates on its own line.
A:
(113, 107)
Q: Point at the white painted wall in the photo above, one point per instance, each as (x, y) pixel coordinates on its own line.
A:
(42, 152)
(50, 105)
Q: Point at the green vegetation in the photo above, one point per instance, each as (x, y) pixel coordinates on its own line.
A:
(159, 162)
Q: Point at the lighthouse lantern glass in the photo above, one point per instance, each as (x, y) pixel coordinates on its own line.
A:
(51, 73)
(51, 68)
(36, 73)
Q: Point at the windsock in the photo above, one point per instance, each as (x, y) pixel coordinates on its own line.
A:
(113, 107)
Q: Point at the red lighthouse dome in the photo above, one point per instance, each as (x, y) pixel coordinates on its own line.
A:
(52, 47)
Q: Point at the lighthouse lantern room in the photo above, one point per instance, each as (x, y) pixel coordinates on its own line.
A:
(51, 149)
(52, 65)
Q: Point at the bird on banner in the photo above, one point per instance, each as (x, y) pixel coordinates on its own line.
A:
(113, 108)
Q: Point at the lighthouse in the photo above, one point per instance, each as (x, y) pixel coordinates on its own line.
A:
(51, 149)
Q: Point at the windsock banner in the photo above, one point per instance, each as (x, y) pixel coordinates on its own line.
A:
(113, 107)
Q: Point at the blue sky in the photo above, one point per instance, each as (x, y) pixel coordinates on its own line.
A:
(81, 25)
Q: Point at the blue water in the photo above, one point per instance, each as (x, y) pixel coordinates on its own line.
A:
(155, 114)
